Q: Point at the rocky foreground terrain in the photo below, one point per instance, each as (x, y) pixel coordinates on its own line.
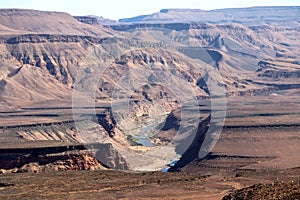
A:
(150, 185)
(268, 191)
(88, 96)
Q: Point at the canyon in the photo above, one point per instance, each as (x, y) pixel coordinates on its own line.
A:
(219, 96)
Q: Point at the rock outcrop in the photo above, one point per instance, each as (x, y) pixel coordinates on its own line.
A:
(47, 159)
(277, 190)
(111, 158)
(61, 158)
(87, 19)
(72, 161)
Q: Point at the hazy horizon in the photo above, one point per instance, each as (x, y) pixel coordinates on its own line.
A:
(117, 9)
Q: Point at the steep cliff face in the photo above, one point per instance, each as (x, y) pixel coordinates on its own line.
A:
(59, 158)
(193, 151)
(107, 121)
(71, 161)
(111, 158)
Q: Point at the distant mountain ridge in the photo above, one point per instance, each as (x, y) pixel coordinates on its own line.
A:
(28, 21)
(281, 15)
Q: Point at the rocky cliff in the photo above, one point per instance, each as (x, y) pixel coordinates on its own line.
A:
(87, 20)
(47, 159)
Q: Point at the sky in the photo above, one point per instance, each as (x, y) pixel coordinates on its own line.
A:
(117, 9)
